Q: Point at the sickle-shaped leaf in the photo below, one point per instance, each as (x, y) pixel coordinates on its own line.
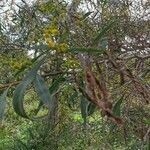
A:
(87, 108)
(72, 100)
(3, 103)
(83, 106)
(55, 85)
(90, 108)
(87, 14)
(117, 107)
(46, 95)
(43, 91)
(116, 111)
(103, 31)
(20, 90)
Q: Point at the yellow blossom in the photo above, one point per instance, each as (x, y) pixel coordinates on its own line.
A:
(54, 31)
(62, 47)
(50, 43)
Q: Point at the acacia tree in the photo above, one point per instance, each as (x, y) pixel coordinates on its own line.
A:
(100, 49)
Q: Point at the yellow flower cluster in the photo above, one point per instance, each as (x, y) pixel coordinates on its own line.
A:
(49, 33)
(46, 7)
(61, 47)
(50, 43)
(50, 30)
(15, 63)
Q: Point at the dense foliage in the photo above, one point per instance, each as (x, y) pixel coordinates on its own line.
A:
(74, 75)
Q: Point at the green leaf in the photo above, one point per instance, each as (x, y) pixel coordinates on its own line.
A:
(116, 111)
(90, 108)
(83, 106)
(53, 88)
(103, 31)
(43, 91)
(87, 108)
(117, 107)
(21, 88)
(86, 15)
(56, 83)
(3, 103)
(72, 100)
